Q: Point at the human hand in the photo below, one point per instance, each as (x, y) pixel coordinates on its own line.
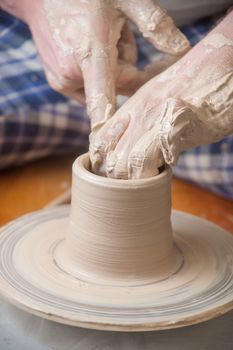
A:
(89, 45)
(187, 105)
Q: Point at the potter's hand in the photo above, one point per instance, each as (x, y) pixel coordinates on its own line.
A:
(187, 105)
(79, 45)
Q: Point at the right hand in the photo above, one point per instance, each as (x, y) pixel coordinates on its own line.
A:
(188, 105)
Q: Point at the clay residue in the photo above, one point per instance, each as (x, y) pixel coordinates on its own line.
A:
(203, 119)
(217, 40)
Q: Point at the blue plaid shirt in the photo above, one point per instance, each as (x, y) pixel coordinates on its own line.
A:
(36, 121)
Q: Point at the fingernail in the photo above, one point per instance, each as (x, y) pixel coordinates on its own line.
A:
(179, 43)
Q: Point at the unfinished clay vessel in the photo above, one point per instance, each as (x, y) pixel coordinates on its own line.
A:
(120, 230)
(113, 260)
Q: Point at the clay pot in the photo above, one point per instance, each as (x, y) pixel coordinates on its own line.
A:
(113, 263)
(120, 230)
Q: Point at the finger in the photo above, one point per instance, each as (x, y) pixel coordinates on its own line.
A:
(117, 160)
(146, 158)
(156, 25)
(99, 85)
(116, 163)
(127, 48)
(105, 141)
(99, 70)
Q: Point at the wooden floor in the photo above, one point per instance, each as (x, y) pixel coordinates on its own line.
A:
(33, 186)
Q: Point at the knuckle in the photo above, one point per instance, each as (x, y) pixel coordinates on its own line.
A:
(64, 71)
(58, 84)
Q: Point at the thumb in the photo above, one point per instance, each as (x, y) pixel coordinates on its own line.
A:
(156, 26)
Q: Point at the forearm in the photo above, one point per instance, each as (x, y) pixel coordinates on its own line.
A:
(201, 112)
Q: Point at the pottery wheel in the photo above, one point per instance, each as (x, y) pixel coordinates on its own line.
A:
(201, 289)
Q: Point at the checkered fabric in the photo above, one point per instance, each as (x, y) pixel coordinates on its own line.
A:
(36, 121)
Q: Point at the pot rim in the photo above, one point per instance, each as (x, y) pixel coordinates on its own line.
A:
(80, 170)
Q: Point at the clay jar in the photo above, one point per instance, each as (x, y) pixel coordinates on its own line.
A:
(119, 231)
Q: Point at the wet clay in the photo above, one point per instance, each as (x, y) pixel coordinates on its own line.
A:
(120, 231)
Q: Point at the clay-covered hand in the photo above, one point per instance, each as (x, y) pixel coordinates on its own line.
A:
(88, 44)
(189, 104)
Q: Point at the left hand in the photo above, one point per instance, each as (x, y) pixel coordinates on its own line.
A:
(87, 45)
